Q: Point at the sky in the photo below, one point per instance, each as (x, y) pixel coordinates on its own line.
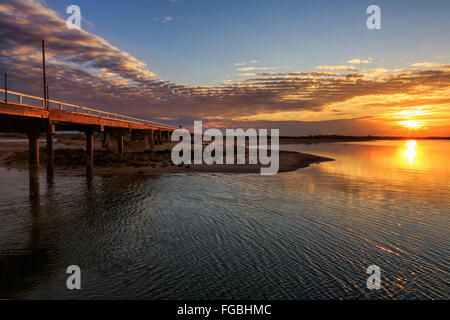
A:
(305, 67)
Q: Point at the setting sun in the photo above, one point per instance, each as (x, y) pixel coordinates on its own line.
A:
(413, 124)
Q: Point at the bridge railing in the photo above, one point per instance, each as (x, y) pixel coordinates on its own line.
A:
(30, 95)
(26, 98)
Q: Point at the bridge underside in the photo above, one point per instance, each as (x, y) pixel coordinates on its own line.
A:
(23, 124)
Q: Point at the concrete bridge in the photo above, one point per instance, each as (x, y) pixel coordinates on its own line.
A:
(39, 116)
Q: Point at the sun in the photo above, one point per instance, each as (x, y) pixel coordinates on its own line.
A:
(412, 124)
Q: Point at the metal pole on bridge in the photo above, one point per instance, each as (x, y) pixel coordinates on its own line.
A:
(6, 88)
(44, 76)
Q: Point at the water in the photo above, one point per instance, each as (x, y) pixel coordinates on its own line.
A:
(309, 234)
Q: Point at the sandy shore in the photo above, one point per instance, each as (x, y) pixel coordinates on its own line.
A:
(70, 158)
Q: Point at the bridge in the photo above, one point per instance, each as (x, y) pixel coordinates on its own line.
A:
(37, 116)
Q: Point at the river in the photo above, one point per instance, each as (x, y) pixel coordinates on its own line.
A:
(308, 234)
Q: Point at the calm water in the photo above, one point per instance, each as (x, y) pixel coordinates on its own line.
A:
(301, 235)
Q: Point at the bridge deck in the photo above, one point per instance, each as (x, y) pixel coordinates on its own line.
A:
(65, 117)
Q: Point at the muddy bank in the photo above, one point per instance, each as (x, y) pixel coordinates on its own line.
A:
(70, 157)
(74, 158)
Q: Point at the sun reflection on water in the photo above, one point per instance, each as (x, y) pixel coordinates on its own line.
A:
(410, 152)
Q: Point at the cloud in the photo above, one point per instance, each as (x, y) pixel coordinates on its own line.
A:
(244, 63)
(430, 65)
(258, 68)
(375, 72)
(168, 19)
(358, 61)
(248, 74)
(87, 70)
(346, 68)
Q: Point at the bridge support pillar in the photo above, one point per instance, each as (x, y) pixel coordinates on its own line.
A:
(148, 146)
(120, 145)
(33, 164)
(146, 143)
(106, 141)
(159, 135)
(89, 153)
(152, 138)
(50, 156)
(155, 136)
(149, 141)
(167, 136)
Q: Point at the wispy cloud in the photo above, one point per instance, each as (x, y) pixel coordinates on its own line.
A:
(248, 74)
(358, 61)
(375, 72)
(168, 19)
(258, 68)
(347, 68)
(243, 63)
(430, 65)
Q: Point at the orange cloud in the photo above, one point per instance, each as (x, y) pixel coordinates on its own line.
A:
(346, 68)
(358, 61)
(87, 70)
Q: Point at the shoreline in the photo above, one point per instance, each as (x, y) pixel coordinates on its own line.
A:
(69, 159)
